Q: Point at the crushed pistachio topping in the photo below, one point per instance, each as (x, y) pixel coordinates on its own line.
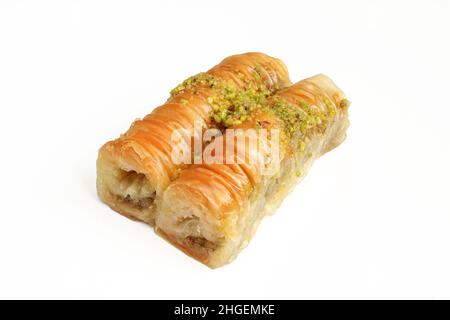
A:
(201, 79)
(344, 104)
(330, 107)
(301, 120)
(302, 145)
(231, 105)
(296, 118)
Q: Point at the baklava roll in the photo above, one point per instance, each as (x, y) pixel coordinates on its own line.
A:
(212, 210)
(135, 168)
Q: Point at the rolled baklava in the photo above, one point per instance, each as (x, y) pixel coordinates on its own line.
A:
(133, 170)
(212, 210)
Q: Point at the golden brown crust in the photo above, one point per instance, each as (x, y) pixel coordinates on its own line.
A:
(198, 253)
(229, 200)
(146, 147)
(211, 211)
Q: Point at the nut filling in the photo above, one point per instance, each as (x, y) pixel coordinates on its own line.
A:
(134, 189)
(140, 203)
(200, 242)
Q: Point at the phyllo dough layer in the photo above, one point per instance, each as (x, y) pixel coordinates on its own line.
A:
(134, 170)
(212, 210)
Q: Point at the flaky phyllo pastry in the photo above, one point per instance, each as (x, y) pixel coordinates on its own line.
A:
(211, 209)
(134, 170)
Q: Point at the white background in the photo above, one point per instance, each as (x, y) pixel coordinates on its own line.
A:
(371, 220)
